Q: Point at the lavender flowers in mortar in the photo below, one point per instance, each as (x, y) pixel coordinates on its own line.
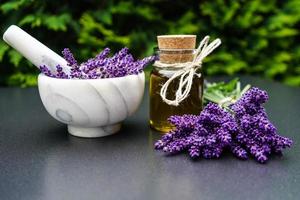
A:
(97, 95)
(101, 66)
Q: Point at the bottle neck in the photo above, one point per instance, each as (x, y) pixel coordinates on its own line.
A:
(171, 56)
(169, 71)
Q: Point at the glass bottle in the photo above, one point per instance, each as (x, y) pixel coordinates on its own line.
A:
(161, 111)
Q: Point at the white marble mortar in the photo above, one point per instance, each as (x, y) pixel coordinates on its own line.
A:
(93, 107)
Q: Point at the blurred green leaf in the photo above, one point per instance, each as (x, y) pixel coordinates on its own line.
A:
(28, 19)
(12, 5)
(280, 21)
(3, 48)
(283, 57)
(297, 70)
(293, 80)
(22, 80)
(234, 66)
(184, 25)
(122, 7)
(57, 23)
(287, 32)
(14, 57)
(104, 16)
(96, 34)
(275, 69)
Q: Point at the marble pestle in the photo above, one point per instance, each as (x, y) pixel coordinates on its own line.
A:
(32, 49)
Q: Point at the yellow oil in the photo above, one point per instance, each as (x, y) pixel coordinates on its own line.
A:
(160, 111)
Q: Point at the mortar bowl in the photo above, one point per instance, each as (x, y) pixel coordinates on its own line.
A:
(92, 107)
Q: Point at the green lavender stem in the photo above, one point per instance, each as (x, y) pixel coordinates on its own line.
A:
(224, 94)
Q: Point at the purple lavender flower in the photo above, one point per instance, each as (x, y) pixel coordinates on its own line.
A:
(45, 70)
(139, 65)
(119, 65)
(103, 54)
(69, 57)
(194, 151)
(257, 134)
(238, 151)
(95, 63)
(184, 122)
(60, 73)
(206, 135)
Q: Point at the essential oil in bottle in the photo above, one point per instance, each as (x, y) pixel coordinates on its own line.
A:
(173, 49)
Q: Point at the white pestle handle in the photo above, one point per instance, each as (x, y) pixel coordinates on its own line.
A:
(36, 52)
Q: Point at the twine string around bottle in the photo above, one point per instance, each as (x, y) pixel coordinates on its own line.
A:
(187, 72)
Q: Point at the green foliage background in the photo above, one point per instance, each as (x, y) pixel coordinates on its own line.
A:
(260, 37)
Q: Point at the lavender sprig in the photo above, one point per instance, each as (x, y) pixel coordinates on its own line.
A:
(206, 135)
(101, 66)
(45, 70)
(257, 134)
(68, 56)
(60, 73)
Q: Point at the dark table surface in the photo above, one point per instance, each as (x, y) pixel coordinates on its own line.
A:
(39, 160)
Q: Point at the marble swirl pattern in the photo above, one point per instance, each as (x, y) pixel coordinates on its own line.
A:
(91, 103)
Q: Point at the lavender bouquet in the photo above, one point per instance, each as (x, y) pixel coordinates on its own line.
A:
(101, 66)
(233, 120)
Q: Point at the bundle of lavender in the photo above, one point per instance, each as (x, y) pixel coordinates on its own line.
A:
(102, 66)
(233, 120)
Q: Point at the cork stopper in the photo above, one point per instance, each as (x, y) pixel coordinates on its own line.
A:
(176, 41)
(176, 48)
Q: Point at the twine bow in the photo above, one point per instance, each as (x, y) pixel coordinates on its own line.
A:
(187, 71)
